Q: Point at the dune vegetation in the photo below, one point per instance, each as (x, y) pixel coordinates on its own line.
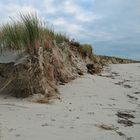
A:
(28, 33)
(52, 57)
(49, 58)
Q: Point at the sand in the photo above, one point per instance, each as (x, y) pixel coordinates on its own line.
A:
(87, 110)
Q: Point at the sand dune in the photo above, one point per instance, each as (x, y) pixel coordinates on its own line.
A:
(105, 107)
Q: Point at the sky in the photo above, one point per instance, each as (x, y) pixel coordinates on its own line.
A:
(112, 27)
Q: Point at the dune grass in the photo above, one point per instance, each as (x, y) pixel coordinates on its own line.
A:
(28, 33)
(87, 48)
(24, 34)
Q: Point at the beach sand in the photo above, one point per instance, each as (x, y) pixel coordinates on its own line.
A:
(92, 107)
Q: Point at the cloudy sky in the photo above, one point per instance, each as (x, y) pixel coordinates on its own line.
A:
(111, 26)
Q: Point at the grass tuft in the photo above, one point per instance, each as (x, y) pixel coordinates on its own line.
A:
(28, 33)
(87, 48)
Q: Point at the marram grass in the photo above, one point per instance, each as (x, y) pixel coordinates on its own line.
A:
(28, 33)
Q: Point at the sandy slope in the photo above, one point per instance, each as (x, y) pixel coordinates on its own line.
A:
(88, 103)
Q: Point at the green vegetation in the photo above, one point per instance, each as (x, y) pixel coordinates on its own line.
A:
(87, 51)
(87, 48)
(28, 33)
(60, 38)
(24, 34)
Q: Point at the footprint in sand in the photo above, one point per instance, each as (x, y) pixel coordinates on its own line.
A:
(91, 113)
(132, 97)
(45, 124)
(137, 92)
(12, 129)
(127, 86)
(17, 135)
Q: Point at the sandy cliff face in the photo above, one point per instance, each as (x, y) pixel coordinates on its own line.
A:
(26, 75)
(56, 64)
